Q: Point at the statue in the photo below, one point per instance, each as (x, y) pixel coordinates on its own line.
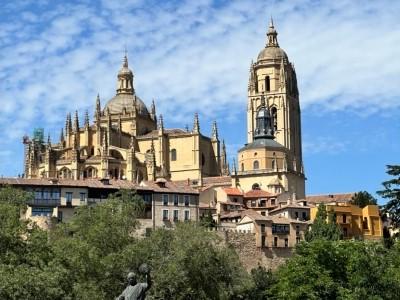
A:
(135, 290)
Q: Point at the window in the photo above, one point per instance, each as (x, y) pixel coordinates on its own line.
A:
(297, 230)
(297, 239)
(165, 199)
(176, 215)
(255, 186)
(38, 195)
(187, 215)
(304, 214)
(187, 200)
(273, 164)
(345, 232)
(267, 84)
(365, 223)
(253, 203)
(263, 227)
(176, 200)
(275, 241)
(286, 243)
(173, 155)
(242, 167)
(256, 165)
(272, 201)
(56, 195)
(82, 197)
(263, 213)
(280, 229)
(165, 214)
(42, 211)
(263, 241)
(296, 215)
(147, 198)
(46, 195)
(263, 203)
(344, 218)
(68, 197)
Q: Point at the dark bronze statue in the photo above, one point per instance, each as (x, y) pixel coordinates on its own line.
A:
(136, 290)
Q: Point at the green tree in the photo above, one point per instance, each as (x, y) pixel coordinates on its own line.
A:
(362, 199)
(391, 192)
(324, 226)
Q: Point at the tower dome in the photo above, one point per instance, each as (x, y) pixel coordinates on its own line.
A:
(125, 98)
(272, 51)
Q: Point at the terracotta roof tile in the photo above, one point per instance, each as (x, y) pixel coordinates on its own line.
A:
(344, 197)
(170, 187)
(232, 191)
(258, 194)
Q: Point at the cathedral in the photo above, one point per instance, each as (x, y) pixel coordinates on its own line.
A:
(125, 141)
(128, 141)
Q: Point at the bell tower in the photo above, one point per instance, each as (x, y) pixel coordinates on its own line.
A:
(273, 85)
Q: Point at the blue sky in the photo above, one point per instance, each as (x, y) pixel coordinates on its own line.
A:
(194, 56)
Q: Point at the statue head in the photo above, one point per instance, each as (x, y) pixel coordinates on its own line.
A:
(131, 278)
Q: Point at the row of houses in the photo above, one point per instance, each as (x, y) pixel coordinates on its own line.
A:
(275, 220)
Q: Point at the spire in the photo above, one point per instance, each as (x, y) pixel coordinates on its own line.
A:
(160, 124)
(62, 135)
(251, 85)
(196, 123)
(152, 147)
(48, 140)
(272, 40)
(153, 111)
(125, 78)
(86, 119)
(97, 112)
(69, 121)
(214, 134)
(76, 122)
(66, 125)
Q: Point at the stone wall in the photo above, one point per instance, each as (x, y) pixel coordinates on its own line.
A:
(252, 256)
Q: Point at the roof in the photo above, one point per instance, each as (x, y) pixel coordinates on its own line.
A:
(232, 191)
(127, 101)
(263, 143)
(292, 205)
(255, 216)
(173, 131)
(169, 187)
(326, 198)
(258, 194)
(232, 214)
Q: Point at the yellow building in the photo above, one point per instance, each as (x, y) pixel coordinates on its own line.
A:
(354, 221)
(126, 141)
(272, 158)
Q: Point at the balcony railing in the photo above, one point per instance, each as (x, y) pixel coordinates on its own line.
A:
(44, 202)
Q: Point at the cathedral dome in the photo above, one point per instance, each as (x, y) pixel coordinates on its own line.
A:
(272, 53)
(117, 104)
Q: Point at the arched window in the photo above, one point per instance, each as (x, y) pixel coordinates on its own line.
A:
(274, 115)
(267, 84)
(256, 165)
(273, 164)
(255, 186)
(173, 155)
(242, 167)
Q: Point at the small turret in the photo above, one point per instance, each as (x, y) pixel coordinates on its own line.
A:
(160, 125)
(214, 134)
(153, 111)
(272, 40)
(97, 112)
(196, 124)
(76, 122)
(87, 120)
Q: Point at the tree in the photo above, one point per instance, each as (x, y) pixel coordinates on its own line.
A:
(324, 226)
(391, 192)
(362, 199)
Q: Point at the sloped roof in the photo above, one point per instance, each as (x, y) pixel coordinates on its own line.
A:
(326, 198)
(169, 187)
(232, 191)
(258, 194)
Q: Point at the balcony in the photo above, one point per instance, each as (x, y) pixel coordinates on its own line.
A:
(44, 202)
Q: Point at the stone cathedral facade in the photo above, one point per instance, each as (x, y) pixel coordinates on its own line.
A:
(126, 141)
(272, 158)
